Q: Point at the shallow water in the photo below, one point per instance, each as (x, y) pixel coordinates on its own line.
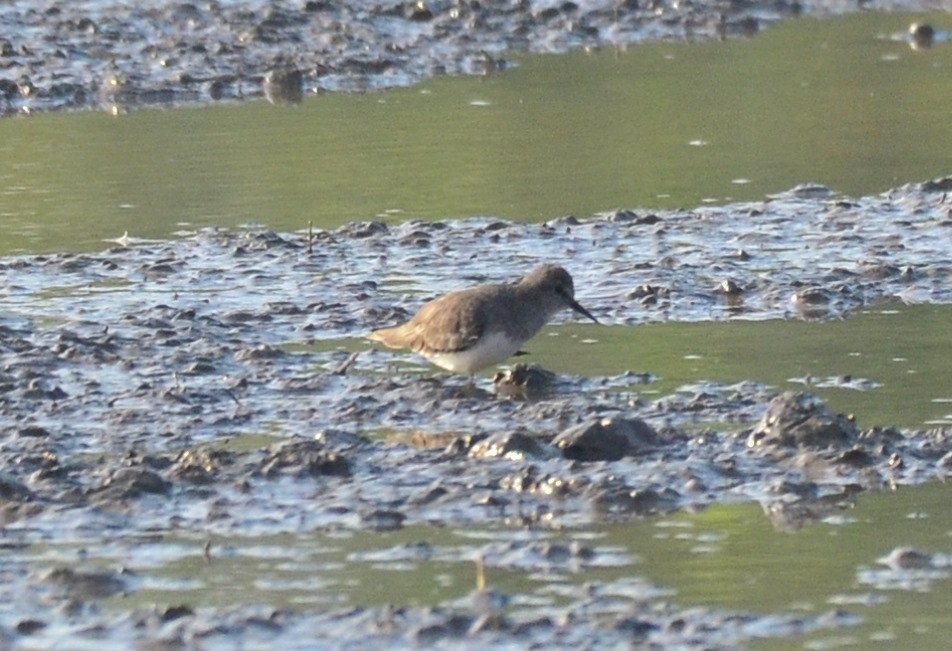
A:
(886, 364)
(842, 563)
(727, 558)
(843, 102)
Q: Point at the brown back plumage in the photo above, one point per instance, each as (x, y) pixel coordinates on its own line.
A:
(451, 323)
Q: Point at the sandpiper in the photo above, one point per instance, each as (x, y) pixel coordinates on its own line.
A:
(471, 329)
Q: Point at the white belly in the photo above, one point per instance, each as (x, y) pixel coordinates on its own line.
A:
(488, 351)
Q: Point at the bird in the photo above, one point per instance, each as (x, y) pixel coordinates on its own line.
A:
(468, 330)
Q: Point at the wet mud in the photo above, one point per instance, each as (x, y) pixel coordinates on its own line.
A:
(123, 55)
(208, 386)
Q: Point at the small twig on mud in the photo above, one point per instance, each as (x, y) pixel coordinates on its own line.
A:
(342, 369)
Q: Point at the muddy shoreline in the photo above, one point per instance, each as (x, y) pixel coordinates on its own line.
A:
(117, 56)
(199, 386)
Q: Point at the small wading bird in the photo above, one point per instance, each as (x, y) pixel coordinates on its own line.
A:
(471, 329)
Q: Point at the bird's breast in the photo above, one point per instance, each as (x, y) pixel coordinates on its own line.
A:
(489, 350)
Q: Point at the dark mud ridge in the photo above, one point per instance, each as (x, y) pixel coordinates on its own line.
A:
(205, 388)
(119, 55)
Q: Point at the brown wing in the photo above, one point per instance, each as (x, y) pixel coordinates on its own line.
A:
(448, 324)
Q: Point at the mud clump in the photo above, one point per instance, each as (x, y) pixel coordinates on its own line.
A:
(12, 489)
(525, 381)
(304, 458)
(624, 502)
(514, 445)
(802, 420)
(609, 439)
(200, 466)
(85, 585)
(130, 483)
